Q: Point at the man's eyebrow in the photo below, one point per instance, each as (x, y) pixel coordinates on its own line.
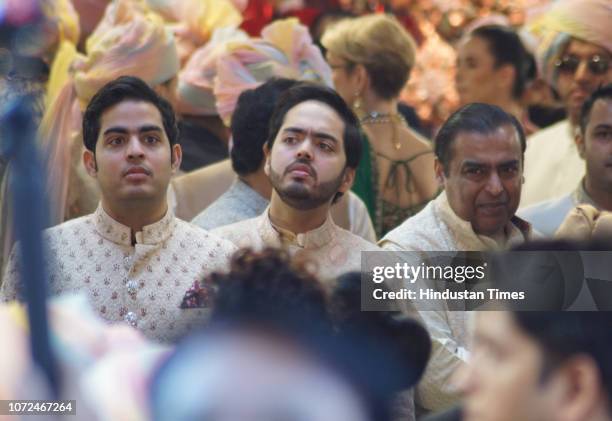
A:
(469, 163)
(150, 128)
(603, 126)
(508, 163)
(123, 130)
(476, 164)
(319, 135)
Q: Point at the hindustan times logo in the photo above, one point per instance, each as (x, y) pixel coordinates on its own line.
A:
(410, 273)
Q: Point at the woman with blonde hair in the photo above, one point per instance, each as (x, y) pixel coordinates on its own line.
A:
(371, 58)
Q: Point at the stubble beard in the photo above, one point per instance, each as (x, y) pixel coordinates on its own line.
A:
(298, 196)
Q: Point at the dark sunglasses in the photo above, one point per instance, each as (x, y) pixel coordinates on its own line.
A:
(596, 64)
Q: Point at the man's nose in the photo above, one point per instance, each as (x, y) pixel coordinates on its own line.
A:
(135, 148)
(305, 149)
(582, 72)
(494, 184)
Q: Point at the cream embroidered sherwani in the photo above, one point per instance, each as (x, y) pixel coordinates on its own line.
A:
(438, 228)
(333, 249)
(141, 284)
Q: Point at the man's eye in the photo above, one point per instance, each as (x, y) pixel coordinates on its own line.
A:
(115, 141)
(604, 134)
(326, 147)
(290, 139)
(151, 139)
(475, 171)
(510, 170)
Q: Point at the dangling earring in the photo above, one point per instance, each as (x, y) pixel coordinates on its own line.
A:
(357, 102)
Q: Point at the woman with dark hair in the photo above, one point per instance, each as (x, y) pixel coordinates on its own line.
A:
(494, 67)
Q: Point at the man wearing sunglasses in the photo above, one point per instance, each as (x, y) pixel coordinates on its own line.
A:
(578, 61)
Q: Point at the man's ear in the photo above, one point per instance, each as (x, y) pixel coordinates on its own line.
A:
(580, 393)
(89, 160)
(579, 140)
(347, 180)
(439, 171)
(177, 157)
(266, 151)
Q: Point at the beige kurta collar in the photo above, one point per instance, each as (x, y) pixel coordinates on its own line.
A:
(517, 230)
(313, 239)
(118, 233)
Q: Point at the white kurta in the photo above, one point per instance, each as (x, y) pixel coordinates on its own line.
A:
(142, 284)
(553, 166)
(438, 228)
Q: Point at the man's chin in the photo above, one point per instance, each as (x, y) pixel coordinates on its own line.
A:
(137, 193)
(490, 228)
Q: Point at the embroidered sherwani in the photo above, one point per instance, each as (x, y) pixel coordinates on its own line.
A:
(438, 228)
(141, 284)
(546, 217)
(334, 250)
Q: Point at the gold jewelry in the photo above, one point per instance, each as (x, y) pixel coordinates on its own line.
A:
(374, 117)
(357, 101)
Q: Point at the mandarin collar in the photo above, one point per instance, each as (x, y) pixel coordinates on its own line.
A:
(313, 239)
(118, 233)
(517, 230)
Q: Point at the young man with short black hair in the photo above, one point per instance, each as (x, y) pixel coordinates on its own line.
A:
(131, 257)
(312, 151)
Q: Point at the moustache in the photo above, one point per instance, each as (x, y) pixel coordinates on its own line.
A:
(301, 165)
(136, 169)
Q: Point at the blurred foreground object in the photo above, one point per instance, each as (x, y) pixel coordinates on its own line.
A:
(584, 223)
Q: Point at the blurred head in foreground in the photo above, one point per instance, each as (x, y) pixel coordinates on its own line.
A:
(540, 366)
(271, 352)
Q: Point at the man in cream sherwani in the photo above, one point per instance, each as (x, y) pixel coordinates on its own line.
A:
(479, 161)
(311, 154)
(132, 258)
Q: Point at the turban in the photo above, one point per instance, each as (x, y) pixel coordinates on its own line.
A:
(194, 94)
(588, 20)
(285, 49)
(194, 21)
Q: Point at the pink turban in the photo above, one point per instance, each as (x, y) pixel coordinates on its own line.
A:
(588, 20)
(194, 94)
(194, 21)
(285, 49)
